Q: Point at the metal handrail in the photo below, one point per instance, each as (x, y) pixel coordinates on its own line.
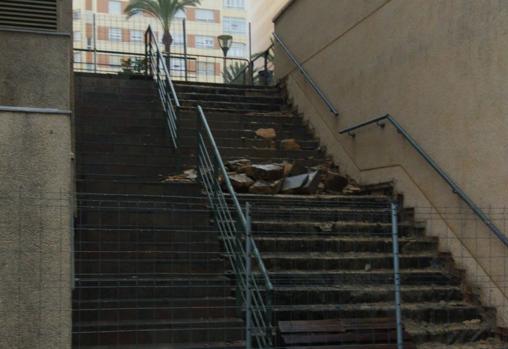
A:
(234, 226)
(250, 65)
(455, 188)
(156, 66)
(306, 75)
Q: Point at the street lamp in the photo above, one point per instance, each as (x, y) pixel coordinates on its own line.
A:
(225, 42)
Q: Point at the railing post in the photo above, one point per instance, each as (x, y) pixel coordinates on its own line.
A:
(396, 273)
(248, 274)
(184, 29)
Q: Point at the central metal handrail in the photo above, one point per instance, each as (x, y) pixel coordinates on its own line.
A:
(306, 75)
(254, 290)
(454, 186)
(156, 66)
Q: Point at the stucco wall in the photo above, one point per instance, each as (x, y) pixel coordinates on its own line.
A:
(35, 230)
(36, 200)
(261, 14)
(439, 67)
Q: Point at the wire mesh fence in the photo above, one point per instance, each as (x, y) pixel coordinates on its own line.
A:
(115, 45)
(153, 269)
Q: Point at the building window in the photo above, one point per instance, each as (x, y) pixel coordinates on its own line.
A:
(76, 15)
(77, 57)
(177, 64)
(205, 15)
(115, 34)
(77, 36)
(237, 50)
(177, 39)
(204, 41)
(205, 68)
(115, 8)
(137, 36)
(234, 25)
(115, 61)
(234, 3)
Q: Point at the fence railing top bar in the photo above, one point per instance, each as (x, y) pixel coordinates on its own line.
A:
(454, 186)
(306, 75)
(153, 39)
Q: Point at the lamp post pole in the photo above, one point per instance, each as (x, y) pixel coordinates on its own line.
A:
(225, 42)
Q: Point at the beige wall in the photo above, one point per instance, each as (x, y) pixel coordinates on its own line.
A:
(439, 67)
(36, 188)
(261, 14)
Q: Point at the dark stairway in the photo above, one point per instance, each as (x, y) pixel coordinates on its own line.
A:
(149, 264)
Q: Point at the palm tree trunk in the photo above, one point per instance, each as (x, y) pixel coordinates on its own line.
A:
(167, 40)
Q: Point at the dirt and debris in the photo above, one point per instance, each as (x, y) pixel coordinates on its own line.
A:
(187, 176)
(266, 133)
(289, 144)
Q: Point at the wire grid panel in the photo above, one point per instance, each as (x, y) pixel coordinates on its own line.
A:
(151, 270)
(477, 263)
(115, 44)
(36, 269)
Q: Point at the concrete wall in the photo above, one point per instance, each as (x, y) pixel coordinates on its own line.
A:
(439, 67)
(36, 201)
(261, 14)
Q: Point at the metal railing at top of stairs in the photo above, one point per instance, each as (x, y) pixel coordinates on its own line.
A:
(254, 289)
(156, 66)
(306, 75)
(454, 186)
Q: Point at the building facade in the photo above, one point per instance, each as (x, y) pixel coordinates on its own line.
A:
(104, 39)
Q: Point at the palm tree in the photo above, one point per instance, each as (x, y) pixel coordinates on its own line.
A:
(164, 11)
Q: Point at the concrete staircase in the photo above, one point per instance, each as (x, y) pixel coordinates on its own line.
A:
(149, 265)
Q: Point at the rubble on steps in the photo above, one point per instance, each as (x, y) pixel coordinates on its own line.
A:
(288, 178)
(187, 176)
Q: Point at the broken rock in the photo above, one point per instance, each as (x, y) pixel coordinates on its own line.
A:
(292, 184)
(236, 165)
(269, 172)
(351, 189)
(335, 182)
(289, 144)
(311, 184)
(241, 182)
(266, 133)
(266, 187)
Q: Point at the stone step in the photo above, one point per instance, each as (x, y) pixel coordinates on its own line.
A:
(112, 186)
(431, 312)
(216, 96)
(348, 260)
(109, 263)
(211, 88)
(218, 106)
(88, 288)
(157, 331)
(453, 334)
(359, 293)
(320, 234)
(315, 201)
(319, 214)
(429, 276)
(154, 309)
(205, 345)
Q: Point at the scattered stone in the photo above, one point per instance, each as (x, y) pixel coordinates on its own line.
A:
(351, 189)
(294, 183)
(269, 172)
(241, 182)
(266, 133)
(289, 144)
(311, 185)
(335, 182)
(187, 176)
(325, 227)
(472, 322)
(368, 267)
(236, 165)
(191, 174)
(265, 187)
(287, 168)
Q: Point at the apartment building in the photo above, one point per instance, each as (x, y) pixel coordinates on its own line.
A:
(104, 38)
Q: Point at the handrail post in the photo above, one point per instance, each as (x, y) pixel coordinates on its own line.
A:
(248, 275)
(396, 273)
